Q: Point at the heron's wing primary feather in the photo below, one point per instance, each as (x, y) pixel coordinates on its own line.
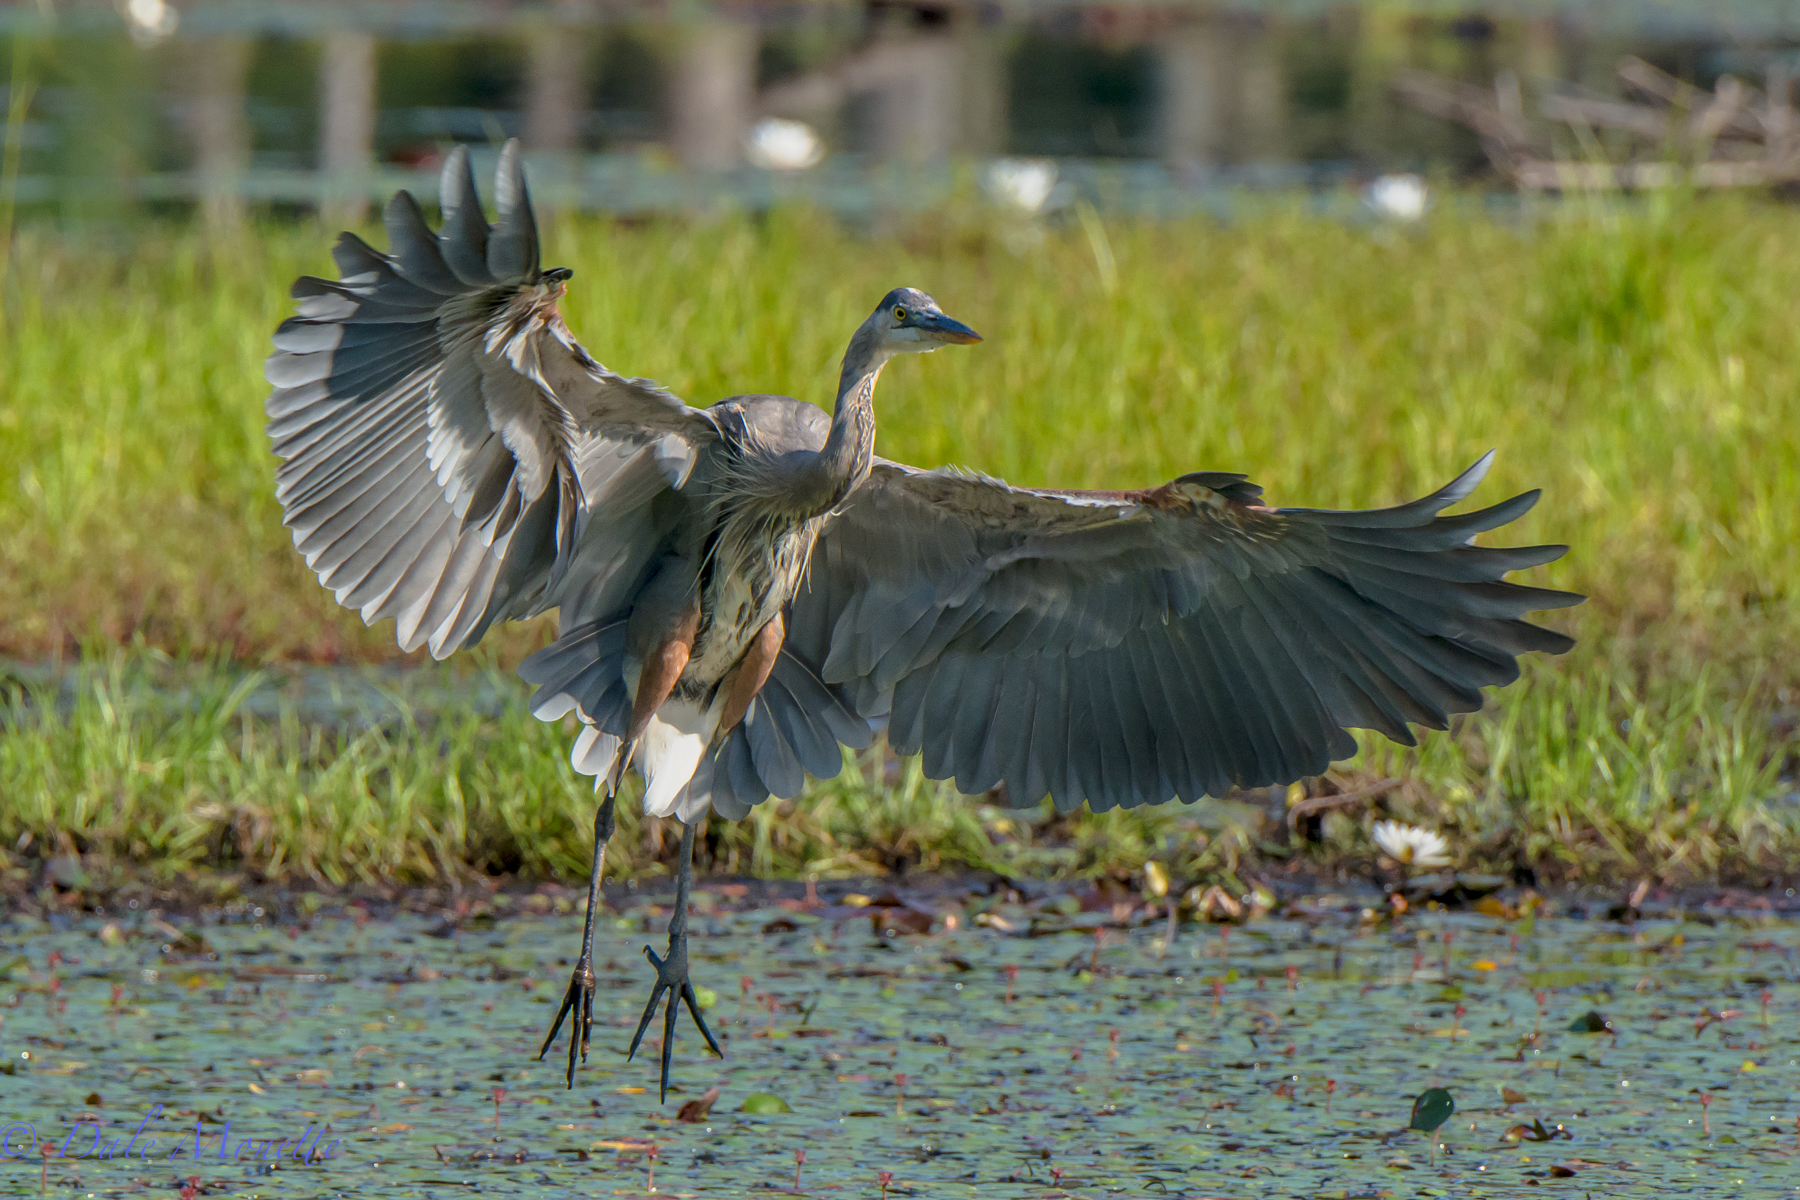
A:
(1127, 648)
(450, 450)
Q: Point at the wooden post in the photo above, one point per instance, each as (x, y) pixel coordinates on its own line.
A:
(556, 101)
(346, 125)
(917, 99)
(981, 84)
(1195, 95)
(712, 92)
(555, 87)
(1262, 97)
(218, 66)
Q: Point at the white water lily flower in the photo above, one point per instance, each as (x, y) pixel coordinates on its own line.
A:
(150, 21)
(778, 145)
(1402, 197)
(1022, 183)
(1412, 846)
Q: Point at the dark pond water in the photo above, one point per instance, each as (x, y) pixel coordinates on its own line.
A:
(1277, 1059)
(333, 697)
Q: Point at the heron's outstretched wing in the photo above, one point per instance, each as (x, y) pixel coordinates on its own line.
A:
(1129, 648)
(450, 449)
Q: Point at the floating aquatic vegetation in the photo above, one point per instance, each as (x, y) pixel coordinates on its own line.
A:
(1287, 1048)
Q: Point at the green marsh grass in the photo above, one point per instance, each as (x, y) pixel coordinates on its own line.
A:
(1636, 362)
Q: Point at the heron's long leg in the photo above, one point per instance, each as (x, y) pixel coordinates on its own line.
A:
(580, 996)
(672, 971)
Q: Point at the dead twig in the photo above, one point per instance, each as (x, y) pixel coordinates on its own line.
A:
(1320, 804)
(1698, 138)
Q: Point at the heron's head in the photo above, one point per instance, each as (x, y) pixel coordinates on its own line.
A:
(909, 321)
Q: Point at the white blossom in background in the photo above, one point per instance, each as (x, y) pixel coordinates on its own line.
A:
(1021, 183)
(775, 144)
(1402, 197)
(150, 21)
(1411, 846)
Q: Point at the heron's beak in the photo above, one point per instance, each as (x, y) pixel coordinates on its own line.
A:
(948, 329)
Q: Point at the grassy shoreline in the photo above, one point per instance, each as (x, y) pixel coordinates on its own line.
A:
(1635, 362)
(163, 764)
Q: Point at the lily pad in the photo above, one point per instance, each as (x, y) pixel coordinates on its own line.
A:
(765, 1102)
(1361, 1024)
(1432, 1109)
(1590, 1022)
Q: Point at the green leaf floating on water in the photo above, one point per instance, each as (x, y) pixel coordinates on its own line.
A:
(705, 997)
(1590, 1022)
(765, 1102)
(1431, 1109)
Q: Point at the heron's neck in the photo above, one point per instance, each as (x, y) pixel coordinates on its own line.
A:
(850, 448)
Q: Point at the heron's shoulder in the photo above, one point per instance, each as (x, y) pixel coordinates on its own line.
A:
(780, 423)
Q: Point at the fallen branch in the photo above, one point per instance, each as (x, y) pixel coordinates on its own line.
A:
(1503, 133)
(1551, 175)
(1320, 804)
(1710, 132)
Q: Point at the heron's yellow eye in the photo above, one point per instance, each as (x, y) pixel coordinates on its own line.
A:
(899, 313)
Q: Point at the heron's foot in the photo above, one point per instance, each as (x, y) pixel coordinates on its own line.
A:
(671, 977)
(579, 999)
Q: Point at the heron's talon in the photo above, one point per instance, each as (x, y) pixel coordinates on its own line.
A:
(693, 1006)
(671, 977)
(579, 999)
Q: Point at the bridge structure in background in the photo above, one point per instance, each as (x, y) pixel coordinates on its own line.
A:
(637, 106)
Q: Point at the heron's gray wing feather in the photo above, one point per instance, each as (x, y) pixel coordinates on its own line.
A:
(465, 232)
(745, 782)
(452, 456)
(1126, 648)
(825, 705)
(771, 752)
(814, 748)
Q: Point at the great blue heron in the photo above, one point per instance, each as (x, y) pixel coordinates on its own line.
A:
(744, 587)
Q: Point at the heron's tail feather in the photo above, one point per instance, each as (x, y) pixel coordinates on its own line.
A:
(596, 752)
(583, 672)
(669, 752)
